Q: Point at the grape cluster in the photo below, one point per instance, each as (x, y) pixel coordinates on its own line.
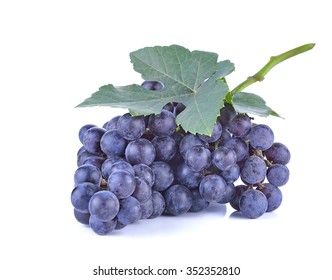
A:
(142, 167)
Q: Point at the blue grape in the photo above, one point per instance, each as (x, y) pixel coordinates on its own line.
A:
(253, 170)
(273, 195)
(164, 175)
(144, 172)
(130, 211)
(261, 137)
(147, 208)
(253, 203)
(226, 114)
(131, 127)
(224, 158)
(107, 165)
(174, 107)
(82, 218)
(81, 194)
(165, 147)
(229, 194)
(158, 204)
(239, 190)
(240, 125)
(232, 174)
(239, 146)
(212, 188)
(142, 191)
(87, 173)
(83, 129)
(278, 175)
(104, 206)
(278, 154)
(186, 176)
(216, 134)
(113, 144)
(188, 142)
(102, 228)
(140, 151)
(82, 156)
(122, 165)
(112, 123)
(91, 140)
(162, 124)
(119, 226)
(178, 200)
(94, 160)
(152, 85)
(199, 203)
(121, 183)
(198, 158)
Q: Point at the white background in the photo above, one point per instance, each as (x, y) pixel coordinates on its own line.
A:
(54, 54)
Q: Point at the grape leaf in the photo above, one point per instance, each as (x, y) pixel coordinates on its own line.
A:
(244, 102)
(192, 78)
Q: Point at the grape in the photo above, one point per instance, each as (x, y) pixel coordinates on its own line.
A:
(142, 191)
(174, 107)
(216, 134)
(130, 211)
(121, 183)
(94, 160)
(229, 194)
(240, 125)
(91, 140)
(188, 142)
(224, 158)
(158, 204)
(198, 158)
(152, 85)
(178, 200)
(122, 165)
(147, 208)
(199, 203)
(104, 206)
(253, 170)
(261, 137)
(212, 188)
(83, 218)
(81, 194)
(140, 151)
(87, 173)
(82, 156)
(113, 144)
(162, 124)
(83, 129)
(186, 176)
(164, 175)
(273, 195)
(239, 146)
(165, 147)
(253, 203)
(226, 114)
(107, 165)
(144, 172)
(112, 123)
(102, 228)
(232, 174)
(131, 127)
(277, 175)
(278, 153)
(239, 190)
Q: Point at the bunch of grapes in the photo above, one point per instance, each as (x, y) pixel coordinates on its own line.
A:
(141, 167)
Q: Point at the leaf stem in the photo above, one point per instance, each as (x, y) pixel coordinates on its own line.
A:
(274, 60)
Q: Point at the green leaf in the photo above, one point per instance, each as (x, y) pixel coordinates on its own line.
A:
(192, 78)
(244, 102)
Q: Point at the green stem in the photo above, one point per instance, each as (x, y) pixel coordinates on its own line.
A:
(274, 60)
